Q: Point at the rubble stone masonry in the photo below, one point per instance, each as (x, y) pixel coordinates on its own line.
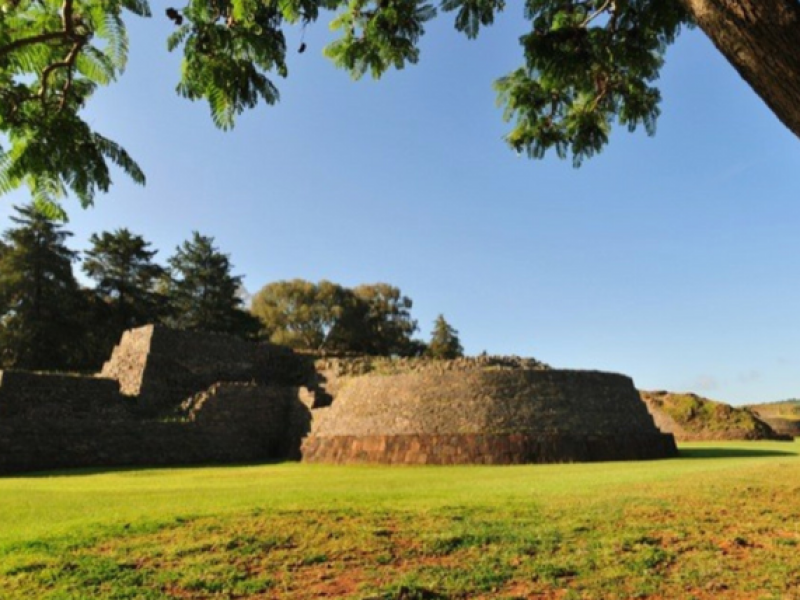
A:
(170, 397)
(449, 416)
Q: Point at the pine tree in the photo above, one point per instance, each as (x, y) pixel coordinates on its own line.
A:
(202, 292)
(122, 265)
(444, 341)
(42, 304)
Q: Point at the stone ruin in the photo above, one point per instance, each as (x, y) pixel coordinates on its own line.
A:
(489, 410)
(169, 397)
(162, 368)
(165, 397)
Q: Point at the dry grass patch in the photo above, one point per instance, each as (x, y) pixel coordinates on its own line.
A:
(721, 522)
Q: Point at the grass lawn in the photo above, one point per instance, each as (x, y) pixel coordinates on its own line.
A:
(721, 521)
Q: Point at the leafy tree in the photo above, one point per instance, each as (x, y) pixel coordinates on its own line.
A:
(122, 265)
(587, 64)
(53, 55)
(42, 304)
(370, 319)
(302, 314)
(444, 341)
(202, 291)
(386, 323)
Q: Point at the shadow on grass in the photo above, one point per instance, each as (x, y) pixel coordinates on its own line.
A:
(720, 452)
(133, 469)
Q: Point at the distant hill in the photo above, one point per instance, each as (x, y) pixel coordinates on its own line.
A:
(783, 416)
(690, 417)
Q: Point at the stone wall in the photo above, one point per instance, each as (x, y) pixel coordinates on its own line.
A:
(47, 421)
(474, 448)
(170, 397)
(162, 367)
(381, 365)
(270, 421)
(129, 359)
(432, 402)
(51, 422)
(49, 397)
(164, 397)
(535, 415)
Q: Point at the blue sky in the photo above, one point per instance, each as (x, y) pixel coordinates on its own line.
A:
(673, 259)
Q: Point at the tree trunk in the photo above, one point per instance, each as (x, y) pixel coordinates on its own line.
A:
(761, 39)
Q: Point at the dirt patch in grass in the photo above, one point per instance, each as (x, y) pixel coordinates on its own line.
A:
(711, 533)
(659, 547)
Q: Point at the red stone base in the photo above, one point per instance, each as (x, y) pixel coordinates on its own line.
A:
(485, 449)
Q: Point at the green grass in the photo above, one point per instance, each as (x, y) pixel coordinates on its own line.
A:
(722, 521)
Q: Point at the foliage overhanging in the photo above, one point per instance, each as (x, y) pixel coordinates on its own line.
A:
(587, 64)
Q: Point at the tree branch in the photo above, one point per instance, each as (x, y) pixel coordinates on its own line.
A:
(67, 63)
(598, 12)
(66, 16)
(64, 35)
(67, 34)
(30, 41)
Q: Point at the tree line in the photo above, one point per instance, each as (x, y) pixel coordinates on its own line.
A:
(48, 321)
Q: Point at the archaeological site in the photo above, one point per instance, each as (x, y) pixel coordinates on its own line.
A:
(170, 397)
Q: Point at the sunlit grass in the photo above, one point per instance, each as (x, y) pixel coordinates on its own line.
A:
(721, 521)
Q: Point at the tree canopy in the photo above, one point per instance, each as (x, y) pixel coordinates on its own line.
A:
(53, 56)
(368, 319)
(588, 64)
(301, 314)
(385, 319)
